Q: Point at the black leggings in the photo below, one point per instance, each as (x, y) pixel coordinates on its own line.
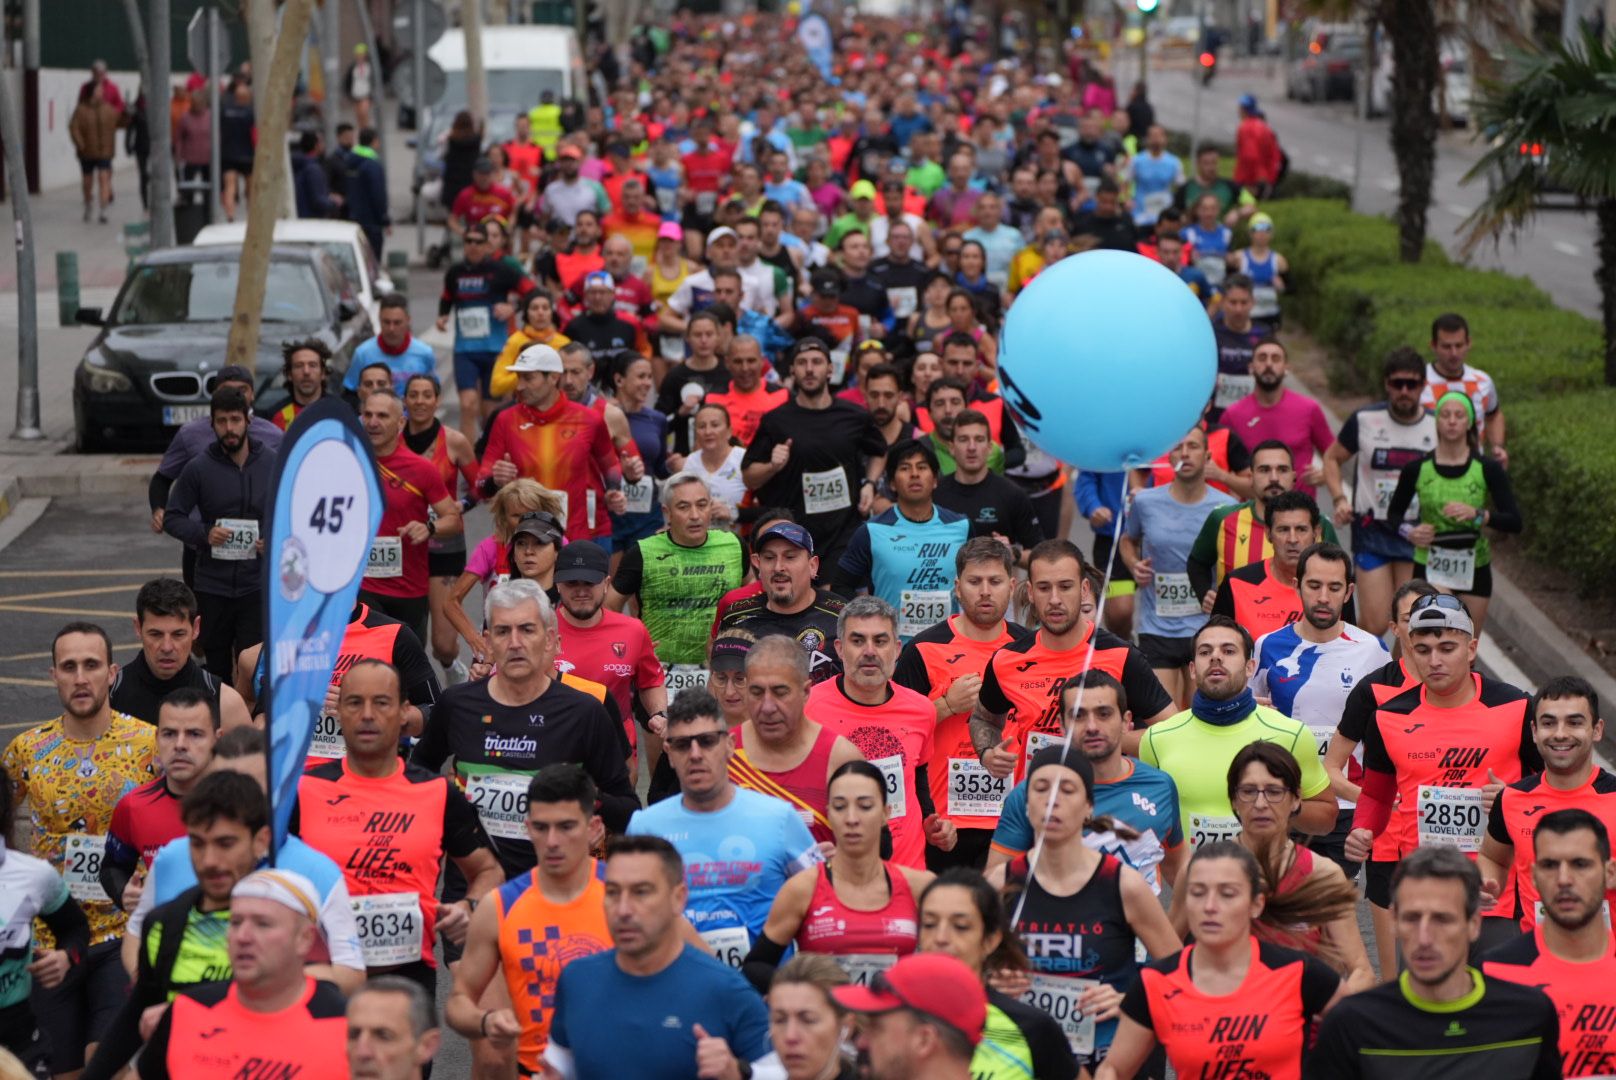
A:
(229, 625)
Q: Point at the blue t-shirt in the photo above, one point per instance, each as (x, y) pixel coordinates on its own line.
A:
(172, 872)
(909, 564)
(416, 359)
(789, 193)
(1168, 529)
(1146, 800)
(736, 859)
(619, 1025)
(1213, 241)
(1153, 183)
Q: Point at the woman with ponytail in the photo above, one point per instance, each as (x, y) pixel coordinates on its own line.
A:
(1082, 915)
(858, 906)
(1229, 1004)
(1309, 904)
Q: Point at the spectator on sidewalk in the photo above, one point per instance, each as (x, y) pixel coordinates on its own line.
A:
(1257, 157)
(109, 89)
(94, 131)
(367, 191)
(137, 143)
(310, 191)
(193, 142)
(359, 83)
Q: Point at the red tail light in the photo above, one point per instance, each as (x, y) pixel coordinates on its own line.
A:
(1207, 59)
(1537, 149)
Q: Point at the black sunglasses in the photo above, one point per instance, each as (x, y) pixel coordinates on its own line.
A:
(1441, 600)
(1405, 384)
(707, 740)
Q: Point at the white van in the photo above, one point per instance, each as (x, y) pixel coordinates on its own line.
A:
(522, 62)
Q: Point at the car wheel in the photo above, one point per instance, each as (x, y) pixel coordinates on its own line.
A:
(87, 438)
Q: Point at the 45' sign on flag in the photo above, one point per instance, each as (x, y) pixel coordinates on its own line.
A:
(326, 507)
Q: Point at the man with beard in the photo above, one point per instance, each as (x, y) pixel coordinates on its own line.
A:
(1018, 711)
(1384, 437)
(883, 391)
(816, 455)
(1197, 746)
(785, 564)
(945, 663)
(1274, 411)
(1262, 597)
(994, 506)
(747, 398)
(962, 361)
(305, 365)
(167, 625)
(901, 276)
(945, 401)
(1309, 667)
(1236, 536)
(905, 554)
(227, 487)
(606, 646)
(1570, 955)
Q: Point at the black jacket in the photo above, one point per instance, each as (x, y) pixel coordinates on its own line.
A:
(214, 486)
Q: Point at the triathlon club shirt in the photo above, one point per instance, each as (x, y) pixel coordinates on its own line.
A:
(909, 564)
(736, 860)
(410, 486)
(896, 737)
(962, 790)
(1581, 994)
(1024, 679)
(1261, 1029)
(567, 449)
(389, 834)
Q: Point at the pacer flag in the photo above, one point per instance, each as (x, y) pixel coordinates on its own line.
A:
(326, 507)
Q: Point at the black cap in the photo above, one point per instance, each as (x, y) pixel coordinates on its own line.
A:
(483, 165)
(826, 281)
(582, 560)
(540, 525)
(729, 652)
(234, 373)
(1067, 757)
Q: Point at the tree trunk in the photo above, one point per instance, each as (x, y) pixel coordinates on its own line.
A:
(269, 184)
(1411, 26)
(471, 21)
(1605, 275)
(27, 281)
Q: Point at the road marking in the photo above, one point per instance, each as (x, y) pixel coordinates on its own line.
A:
(125, 587)
(90, 613)
(1565, 248)
(12, 680)
(1388, 184)
(84, 573)
(1459, 209)
(45, 654)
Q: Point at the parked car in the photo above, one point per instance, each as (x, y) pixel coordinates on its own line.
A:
(1453, 92)
(1326, 72)
(342, 240)
(154, 363)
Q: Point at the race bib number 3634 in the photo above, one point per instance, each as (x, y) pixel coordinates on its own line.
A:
(390, 928)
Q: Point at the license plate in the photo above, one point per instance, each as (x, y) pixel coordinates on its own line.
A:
(175, 415)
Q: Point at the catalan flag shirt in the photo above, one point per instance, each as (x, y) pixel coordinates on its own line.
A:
(567, 449)
(1232, 537)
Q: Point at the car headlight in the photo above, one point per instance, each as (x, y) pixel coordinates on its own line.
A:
(101, 379)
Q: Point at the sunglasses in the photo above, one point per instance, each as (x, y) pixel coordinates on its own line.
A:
(707, 740)
(1440, 600)
(951, 251)
(1405, 384)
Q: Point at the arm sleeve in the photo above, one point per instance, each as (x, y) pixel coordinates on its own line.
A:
(991, 697)
(1358, 712)
(630, 571)
(1024, 527)
(749, 1035)
(1203, 555)
(1051, 1054)
(1495, 820)
(1146, 696)
(911, 672)
(1335, 1054)
(1319, 430)
(1223, 603)
(157, 490)
(923, 791)
(1531, 757)
(1408, 482)
(340, 930)
(1136, 1003)
(605, 763)
(1015, 449)
(462, 830)
(1171, 815)
(432, 748)
(67, 922)
(853, 571)
(1086, 490)
(1348, 435)
(420, 683)
(446, 298)
(1548, 1058)
(802, 850)
(1239, 456)
(1505, 515)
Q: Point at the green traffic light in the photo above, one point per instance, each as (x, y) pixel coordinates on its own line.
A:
(1147, 6)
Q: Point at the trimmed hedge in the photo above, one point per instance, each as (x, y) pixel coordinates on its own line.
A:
(1348, 288)
(1565, 476)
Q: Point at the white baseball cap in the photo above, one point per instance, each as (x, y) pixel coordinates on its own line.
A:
(537, 358)
(721, 233)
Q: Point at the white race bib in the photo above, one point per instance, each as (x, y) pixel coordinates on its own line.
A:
(1213, 267)
(904, 300)
(921, 608)
(862, 967)
(1451, 568)
(1452, 817)
(826, 492)
(640, 494)
(678, 677)
(974, 791)
(81, 866)
(501, 802)
(1385, 487)
(390, 927)
(730, 944)
(1155, 202)
(1058, 996)
(473, 322)
(838, 363)
(891, 768)
(705, 201)
(1231, 388)
(672, 348)
(327, 741)
(386, 559)
(1264, 300)
(1175, 597)
(1037, 740)
(1208, 828)
(241, 544)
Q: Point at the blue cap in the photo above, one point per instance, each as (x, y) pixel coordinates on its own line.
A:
(1248, 102)
(789, 531)
(599, 279)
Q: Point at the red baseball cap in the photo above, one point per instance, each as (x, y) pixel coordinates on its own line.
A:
(933, 984)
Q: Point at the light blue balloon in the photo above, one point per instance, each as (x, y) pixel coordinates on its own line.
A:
(1107, 359)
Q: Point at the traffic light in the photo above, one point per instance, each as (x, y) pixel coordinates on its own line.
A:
(1147, 6)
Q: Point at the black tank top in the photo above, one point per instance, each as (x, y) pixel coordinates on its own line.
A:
(1085, 935)
(138, 691)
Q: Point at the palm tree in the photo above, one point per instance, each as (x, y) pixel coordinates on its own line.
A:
(1560, 105)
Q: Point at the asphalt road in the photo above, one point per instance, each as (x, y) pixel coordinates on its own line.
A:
(1555, 251)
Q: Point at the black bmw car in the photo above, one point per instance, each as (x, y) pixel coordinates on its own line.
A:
(152, 366)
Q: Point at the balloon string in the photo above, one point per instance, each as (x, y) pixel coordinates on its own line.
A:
(1088, 662)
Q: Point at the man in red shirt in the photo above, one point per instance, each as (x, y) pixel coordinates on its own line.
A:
(632, 220)
(747, 399)
(1257, 157)
(396, 569)
(608, 647)
(705, 169)
(482, 199)
(562, 445)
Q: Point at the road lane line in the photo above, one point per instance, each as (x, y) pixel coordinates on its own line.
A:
(1565, 248)
(61, 593)
(12, 680)
(45, 654)
(144, 574)
(89, 613)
